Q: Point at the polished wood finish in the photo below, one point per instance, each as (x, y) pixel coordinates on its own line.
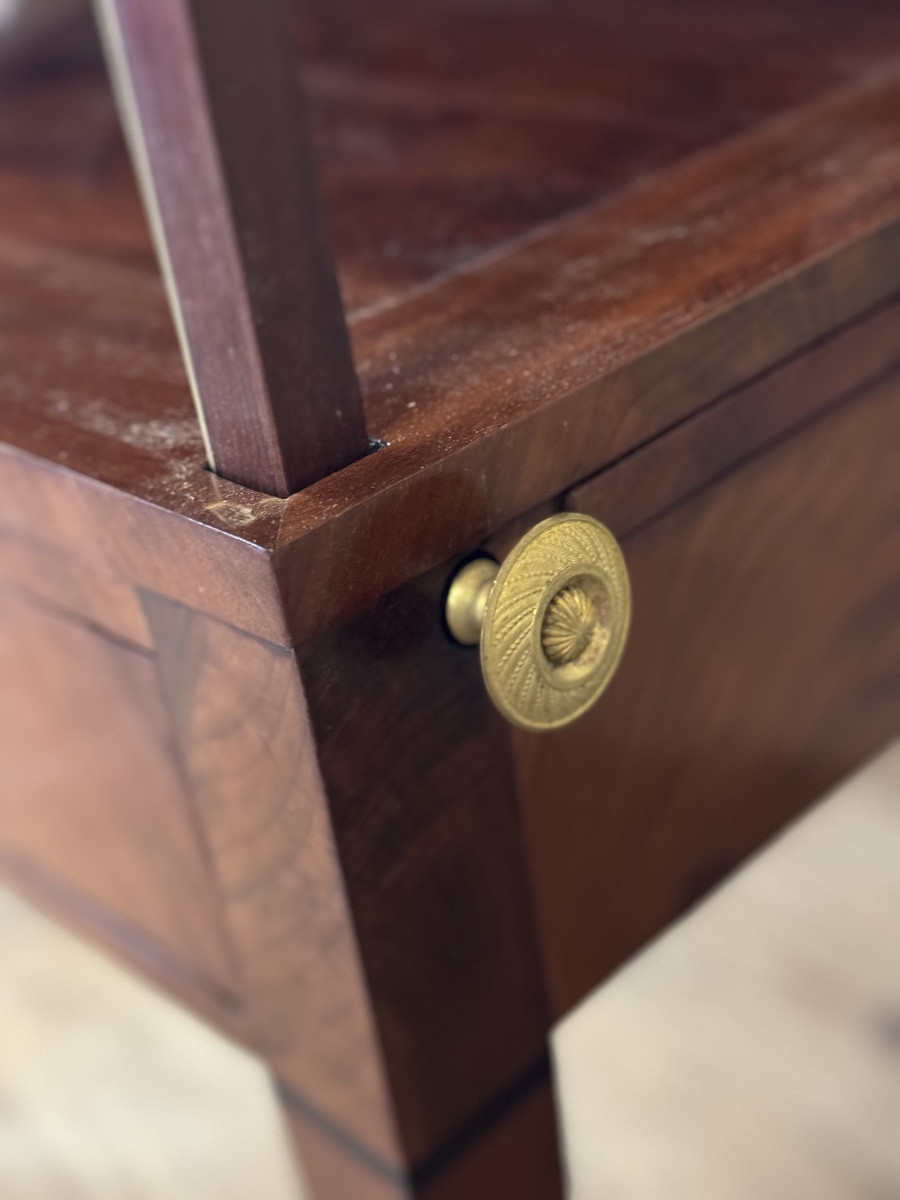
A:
(764, 665)
(642, 334)
(211, 103)
(449, 131)
(662, 472)
(422, 796)
(689, 329)
(371, 931)
(128, 860)
(239, 719)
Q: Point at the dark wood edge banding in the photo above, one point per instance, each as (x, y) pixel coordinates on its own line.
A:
(658, 474)
(81, 911)
(426, 1172)
(757, 451)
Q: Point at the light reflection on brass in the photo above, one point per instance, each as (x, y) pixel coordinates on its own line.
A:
(551, 621)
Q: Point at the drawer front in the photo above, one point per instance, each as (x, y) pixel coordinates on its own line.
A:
(763, 664)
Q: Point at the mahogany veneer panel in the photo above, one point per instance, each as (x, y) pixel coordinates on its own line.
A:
(93, 809)
(239, 718)
(763, 665)
(617, 251)
(160, 790)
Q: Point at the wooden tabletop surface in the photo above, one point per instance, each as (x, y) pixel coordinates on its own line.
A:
(522, 197)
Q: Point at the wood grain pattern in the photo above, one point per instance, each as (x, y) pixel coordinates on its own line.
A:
(388, 648)
(663, 472)
(444, 132)
(154, 546)
(626, 811)
(764, 663)
(361, 805)
(438, 1054)
(212, 107)
(94, 815)
(447, 132)
(780, 234)
(422, 797)
(239, 716)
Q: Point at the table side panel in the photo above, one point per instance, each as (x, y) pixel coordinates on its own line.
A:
(763, 665)
(95, 816)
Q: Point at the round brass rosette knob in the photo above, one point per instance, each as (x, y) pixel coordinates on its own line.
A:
(552, 619)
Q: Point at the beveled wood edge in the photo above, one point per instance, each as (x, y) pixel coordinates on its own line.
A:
(414, 505)
(288, 591)
(721, 437)
(458, 500)
(116, 538)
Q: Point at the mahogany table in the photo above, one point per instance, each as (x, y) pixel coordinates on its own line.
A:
(507, 259)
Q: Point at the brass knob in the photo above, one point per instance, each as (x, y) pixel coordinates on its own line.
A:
(551, 620)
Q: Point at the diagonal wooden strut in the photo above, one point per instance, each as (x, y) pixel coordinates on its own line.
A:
(212, 108)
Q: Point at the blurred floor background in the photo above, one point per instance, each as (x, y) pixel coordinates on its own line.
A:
(751, 1053)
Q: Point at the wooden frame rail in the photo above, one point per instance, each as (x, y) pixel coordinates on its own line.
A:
(212, 108)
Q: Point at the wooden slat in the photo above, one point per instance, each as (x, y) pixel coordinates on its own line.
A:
(213, 112)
